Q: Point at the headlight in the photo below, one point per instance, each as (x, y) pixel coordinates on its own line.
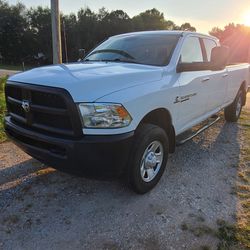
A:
(104, 115)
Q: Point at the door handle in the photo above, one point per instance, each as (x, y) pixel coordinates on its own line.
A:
(205, 79)
(225, 75)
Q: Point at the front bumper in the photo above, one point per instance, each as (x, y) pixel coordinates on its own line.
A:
(90, 155)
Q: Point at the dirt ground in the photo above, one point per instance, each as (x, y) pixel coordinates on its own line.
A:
(41, 208)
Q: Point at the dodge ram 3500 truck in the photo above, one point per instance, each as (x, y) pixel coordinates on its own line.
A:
(120, 110)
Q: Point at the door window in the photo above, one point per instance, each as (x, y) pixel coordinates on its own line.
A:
(191, 51)
(209, 45)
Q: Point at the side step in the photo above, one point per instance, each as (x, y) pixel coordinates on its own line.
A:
(190, 134)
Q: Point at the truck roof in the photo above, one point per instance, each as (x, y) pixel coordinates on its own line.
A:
(158, 32)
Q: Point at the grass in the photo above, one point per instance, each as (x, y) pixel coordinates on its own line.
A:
(2, 109)
(11, 67)
(233, 236)
(225, 233)
(16, 67)
(243, 185)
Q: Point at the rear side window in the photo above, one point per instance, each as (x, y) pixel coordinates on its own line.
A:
(209, 45)
(191, 51)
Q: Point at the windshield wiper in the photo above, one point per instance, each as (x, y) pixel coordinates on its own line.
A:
(113, 60)
(116, 51)
(125, 61)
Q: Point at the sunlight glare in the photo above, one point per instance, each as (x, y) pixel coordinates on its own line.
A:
(246, 18)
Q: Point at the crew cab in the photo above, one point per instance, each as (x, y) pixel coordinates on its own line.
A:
(120, 109)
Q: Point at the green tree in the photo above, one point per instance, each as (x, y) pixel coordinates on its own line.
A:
(187, 27)
(217, 32)
(72, 44)
(26, 32)
(237, 38)
(86, 27)
(39, 20)
(149, 20)
(117, 22)
(13, 27)
(170, 25)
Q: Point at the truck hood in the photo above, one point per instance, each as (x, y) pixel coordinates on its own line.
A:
(87, 82)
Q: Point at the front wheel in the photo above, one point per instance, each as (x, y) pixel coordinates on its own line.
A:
(233, 111)
(148, 159)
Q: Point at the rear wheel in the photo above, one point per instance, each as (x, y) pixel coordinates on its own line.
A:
(149, 158)
(233, 111)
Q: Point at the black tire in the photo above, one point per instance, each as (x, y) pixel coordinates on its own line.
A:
(233, 111)
(146, 136)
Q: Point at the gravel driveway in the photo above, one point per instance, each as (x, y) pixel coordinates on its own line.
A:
(41, 208)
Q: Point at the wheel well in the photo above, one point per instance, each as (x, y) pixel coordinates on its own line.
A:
(243, 87)
(162, 118)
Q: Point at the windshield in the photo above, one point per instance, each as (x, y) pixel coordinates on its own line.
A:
(149, 49)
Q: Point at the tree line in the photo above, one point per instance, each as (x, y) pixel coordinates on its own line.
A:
(25, 34)
(237, 38)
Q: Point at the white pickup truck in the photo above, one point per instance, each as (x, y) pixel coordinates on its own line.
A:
(120, 110)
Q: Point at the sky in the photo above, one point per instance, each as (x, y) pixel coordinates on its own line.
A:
(204, 15)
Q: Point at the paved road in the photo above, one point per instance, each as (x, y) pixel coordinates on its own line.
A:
(41, 208)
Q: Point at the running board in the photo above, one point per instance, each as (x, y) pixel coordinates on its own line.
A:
(195, 133)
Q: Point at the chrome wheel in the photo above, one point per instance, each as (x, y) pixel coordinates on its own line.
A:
(151, 161)
(239, 106)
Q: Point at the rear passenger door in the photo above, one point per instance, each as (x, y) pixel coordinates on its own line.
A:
(216, 84)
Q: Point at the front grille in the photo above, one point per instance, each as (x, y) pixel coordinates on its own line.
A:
(48, 99)
(52, 148)
(48, 110)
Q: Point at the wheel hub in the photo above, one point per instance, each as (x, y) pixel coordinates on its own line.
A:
(238, 107)
(150, 160)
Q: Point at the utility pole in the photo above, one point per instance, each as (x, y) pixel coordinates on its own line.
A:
(65, 43)
(56, 32)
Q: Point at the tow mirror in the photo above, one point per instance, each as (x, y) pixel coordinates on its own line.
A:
(219, 57)
(219, 60)
(81, 53)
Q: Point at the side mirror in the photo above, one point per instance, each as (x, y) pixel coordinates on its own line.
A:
(219, 60)
(219, 57)
(81, 53)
